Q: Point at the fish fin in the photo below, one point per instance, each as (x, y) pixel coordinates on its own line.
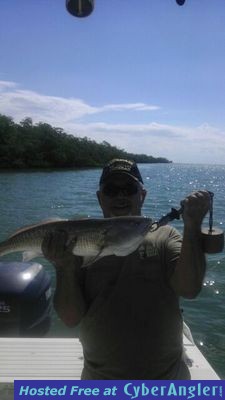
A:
(28, 255)
(90, 260)
(24, 228)
(123, 252)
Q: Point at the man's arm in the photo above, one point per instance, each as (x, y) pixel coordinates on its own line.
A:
(189, 272)
(69, 301)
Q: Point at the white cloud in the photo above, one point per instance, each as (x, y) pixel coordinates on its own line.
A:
(21, 103)
(204, 143)
(6, 84)
(132, 106)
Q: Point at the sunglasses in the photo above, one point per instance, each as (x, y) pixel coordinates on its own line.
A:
(112, 190)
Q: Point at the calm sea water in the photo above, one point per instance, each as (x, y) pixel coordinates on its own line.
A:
(27, 197)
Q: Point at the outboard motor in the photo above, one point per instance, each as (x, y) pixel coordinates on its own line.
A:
(25, 300)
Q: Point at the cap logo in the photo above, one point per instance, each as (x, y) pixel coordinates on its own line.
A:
(121, 165)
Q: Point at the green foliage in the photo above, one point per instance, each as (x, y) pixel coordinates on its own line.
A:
(26, 145)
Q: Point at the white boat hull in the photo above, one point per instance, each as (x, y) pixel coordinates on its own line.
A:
(199, 367)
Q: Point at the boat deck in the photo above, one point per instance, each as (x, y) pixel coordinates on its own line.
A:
(58, 359)
(45, 358)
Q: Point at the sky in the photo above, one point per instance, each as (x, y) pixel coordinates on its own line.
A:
(147, 76)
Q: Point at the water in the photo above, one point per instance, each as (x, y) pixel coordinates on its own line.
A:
(27, 197)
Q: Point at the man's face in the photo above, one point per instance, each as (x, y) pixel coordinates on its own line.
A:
(121, 195)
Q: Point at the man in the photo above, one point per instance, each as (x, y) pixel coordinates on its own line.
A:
(128, 307)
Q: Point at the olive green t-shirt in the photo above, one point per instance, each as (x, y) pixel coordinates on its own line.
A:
(133, 326)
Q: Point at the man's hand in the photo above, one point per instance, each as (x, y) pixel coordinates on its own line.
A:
(190, 269)
(195, 207)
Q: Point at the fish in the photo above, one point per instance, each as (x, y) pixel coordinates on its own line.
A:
(90, 238)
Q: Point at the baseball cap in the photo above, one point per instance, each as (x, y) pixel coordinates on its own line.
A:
(121, 166)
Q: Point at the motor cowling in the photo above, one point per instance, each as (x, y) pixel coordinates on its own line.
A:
(25, 300)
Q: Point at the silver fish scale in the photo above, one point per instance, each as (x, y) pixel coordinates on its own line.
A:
(20, 242)
(89, 243)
